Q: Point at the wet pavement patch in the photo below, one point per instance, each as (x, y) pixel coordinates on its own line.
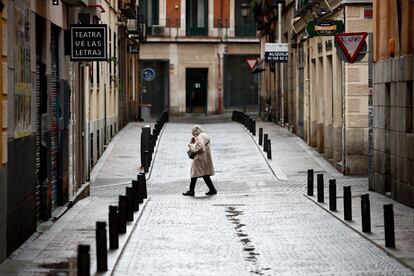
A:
(249, 250)
(60, 268)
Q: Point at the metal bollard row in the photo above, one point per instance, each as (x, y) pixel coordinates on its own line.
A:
(149, 140)
(118, 216)
(389, 230)
(248, 122)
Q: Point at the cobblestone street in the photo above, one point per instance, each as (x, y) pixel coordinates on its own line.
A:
(256, 225)
(260, 223)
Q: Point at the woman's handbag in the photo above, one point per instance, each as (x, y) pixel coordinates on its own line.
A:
(191, 154)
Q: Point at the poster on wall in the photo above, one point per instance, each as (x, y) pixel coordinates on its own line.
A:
(22, 78)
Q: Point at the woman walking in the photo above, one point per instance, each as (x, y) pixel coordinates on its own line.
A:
(202, 165)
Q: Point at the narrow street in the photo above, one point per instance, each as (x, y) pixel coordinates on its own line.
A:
(256, 225)
(259, 223)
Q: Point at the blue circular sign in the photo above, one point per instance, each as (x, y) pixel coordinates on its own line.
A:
(148, 74)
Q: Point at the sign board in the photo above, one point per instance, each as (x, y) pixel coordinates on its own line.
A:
(88, 42)
(148, 74)
(351, 44)
(251, 62)
(133, 48)
(325, 27)
(276, 52)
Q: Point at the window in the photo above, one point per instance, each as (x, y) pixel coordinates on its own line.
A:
(244, 26)
(150, 12)
(197, 15)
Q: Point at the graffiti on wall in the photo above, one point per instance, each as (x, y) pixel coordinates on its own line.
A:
(22, 78)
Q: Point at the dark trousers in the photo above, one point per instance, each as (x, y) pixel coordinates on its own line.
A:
(206, 178)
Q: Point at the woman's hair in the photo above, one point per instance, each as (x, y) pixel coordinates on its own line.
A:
(197, 130)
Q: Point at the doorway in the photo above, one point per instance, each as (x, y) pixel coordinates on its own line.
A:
(196, 90)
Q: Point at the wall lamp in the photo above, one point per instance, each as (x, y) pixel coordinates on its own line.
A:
(304, 37)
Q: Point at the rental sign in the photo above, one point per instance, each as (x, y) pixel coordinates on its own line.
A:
(88, 42)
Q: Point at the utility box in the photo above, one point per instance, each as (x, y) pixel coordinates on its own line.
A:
(146, 112)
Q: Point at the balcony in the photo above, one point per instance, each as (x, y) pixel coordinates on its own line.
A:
(197, 27)
(245, 30)
(128, 8)
(75, 3)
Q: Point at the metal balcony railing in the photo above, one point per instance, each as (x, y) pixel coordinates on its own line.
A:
(128, 8)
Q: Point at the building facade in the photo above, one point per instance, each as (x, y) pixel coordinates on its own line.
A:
(3, 136)
(393, 146)
(57, 115)
(316, 95)
(194, 59)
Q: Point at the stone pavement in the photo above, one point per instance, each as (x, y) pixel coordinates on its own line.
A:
(260, 223)
(54, 247)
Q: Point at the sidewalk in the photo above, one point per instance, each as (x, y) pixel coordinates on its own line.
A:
(54, 248)
(295, 161)
(260, 223)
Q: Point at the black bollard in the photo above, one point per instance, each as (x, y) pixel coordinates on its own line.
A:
(310, 182)
(265, 142)
(254, 128)
(260, 136)
(319, 187)
(389, 225)
(140, 189)
(145, 142)
(113, 227)
(122, 209)
(146, 161)
(130, 210)
(83, 260)
(135, 189)
(347, 203)
(269, 149)
(332, 194)
(101, 247)
(365, 213)
(144, 186)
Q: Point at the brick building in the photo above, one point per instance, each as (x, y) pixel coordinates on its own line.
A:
(194, 57)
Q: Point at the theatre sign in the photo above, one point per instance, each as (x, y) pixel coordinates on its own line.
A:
(88, 42)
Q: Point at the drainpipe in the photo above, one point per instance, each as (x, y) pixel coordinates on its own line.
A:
(343, 109)
(279, 16)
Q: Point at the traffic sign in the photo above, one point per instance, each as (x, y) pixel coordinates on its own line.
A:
(251, 62)
(351, 44)
(276, 52)
(148, 74)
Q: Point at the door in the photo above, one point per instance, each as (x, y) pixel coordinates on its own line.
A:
(240, 85)
(196, 90)
(155, 86)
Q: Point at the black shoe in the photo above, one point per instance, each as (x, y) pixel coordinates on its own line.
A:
(213, 192)
(189, 193)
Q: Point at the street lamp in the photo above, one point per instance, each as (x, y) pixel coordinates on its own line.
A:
(244, 10)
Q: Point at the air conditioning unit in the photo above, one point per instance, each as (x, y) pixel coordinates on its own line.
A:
(157, 30)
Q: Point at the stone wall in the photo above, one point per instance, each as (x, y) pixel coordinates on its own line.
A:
(393, 128)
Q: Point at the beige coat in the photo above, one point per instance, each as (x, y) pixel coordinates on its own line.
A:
(202, 163)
